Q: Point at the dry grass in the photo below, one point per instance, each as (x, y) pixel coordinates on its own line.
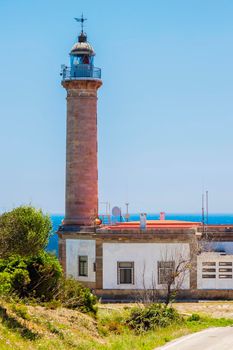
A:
(216, 309)
(40, 328)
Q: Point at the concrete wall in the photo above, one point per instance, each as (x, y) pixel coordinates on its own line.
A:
(145, 257)
(216, 282)
(74, 248)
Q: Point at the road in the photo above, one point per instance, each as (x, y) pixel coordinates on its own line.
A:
(209, 339)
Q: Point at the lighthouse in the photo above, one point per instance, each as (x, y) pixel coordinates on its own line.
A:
(81, 81)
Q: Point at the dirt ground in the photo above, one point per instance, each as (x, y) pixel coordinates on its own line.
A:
(211, 308)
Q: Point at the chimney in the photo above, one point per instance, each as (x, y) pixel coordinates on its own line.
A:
(162, 215)
(143, 221)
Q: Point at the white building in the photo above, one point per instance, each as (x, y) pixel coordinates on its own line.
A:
(120, 260)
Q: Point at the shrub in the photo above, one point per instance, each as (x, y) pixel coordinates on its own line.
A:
(74, 295)
(30, 276)
(155, 315)
(40, 278)
(194, 317)
(21, 311)
(24, 231)
(14, 276)
(45, 275)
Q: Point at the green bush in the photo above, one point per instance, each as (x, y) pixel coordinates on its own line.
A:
(14, 276)
(45, 274)
(27, 271)
(37, 277)
(155, 315)
(40, 278)
(194, 317)
(24, 231)
(21, 311)
(74, 295)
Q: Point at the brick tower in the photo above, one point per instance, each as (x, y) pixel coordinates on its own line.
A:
(81, 81)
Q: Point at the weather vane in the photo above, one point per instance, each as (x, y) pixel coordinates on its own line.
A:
(81, 20)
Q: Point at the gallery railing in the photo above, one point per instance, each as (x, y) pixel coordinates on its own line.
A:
(80, 71)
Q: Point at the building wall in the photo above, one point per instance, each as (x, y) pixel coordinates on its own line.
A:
(212, 279)
(74, 248)
(145, 257)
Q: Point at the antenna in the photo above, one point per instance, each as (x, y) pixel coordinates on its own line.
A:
(107, 214)
(127, 211)
(106, 207)
(81, 20)
(203, 211)
(207, 207)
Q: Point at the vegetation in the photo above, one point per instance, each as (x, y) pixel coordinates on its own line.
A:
(27, 271)
(152, 316)
(74, 295)
(34, 276)
(40, 309)
(24, 231)
(41, 328)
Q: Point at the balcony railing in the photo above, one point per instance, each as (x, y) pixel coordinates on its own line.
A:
(81, 71)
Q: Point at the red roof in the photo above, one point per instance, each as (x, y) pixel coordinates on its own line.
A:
(152, 224)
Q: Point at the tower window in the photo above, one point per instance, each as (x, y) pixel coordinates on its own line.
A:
(125, 272)
(83, 265)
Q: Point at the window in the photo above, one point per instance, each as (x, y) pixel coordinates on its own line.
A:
(208, 270)
(208, 276)
(208, 263)
(83, 265)
(225, 276)
(125, 272)
(225, 263)
(166, 271)
(225, 270)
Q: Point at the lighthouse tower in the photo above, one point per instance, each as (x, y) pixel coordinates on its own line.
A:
(81, 81)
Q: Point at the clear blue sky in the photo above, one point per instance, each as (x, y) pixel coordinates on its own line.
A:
(165, 113)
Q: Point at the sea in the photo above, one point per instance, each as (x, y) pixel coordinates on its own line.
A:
(225, 219)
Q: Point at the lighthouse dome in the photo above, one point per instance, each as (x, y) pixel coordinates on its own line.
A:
(82, 47)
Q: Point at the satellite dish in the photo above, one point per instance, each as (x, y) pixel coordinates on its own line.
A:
(116, 211)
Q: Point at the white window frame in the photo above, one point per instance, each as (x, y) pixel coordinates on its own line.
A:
(125, 265)
(84, 272)
(165, 268)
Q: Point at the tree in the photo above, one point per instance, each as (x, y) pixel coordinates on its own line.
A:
(24, 231)
(177, 265)
(174, 277)
(170, 275)
(149, 292)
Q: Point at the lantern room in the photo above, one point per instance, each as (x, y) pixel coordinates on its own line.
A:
(81, 61)
(82, 53)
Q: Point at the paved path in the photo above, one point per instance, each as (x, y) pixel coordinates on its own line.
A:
(209, 339)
